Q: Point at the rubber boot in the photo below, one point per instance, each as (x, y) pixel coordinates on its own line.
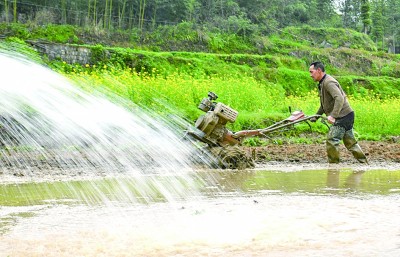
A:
(351, 144)
(334, 137)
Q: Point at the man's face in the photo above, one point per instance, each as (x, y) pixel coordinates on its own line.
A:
(316, 74)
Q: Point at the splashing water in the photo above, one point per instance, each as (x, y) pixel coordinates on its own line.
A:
(49, 126)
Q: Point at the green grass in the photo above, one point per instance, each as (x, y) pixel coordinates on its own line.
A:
(286, 72)
(259, 103)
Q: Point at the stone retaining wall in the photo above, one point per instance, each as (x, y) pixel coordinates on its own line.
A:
(68, 53)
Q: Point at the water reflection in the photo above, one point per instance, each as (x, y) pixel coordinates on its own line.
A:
(336, 181)
(352, 182)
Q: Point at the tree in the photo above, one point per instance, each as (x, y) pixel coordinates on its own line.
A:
(350, 10)
(365, 15)
(6, 10)
(207, 10)
(110, 14)
(142, 6)
(393, 23)
(121, 13)
(325, 10)
(105, 15)
(15, 11)
(168, 11)
(192, 8)
(377, 18)
(63, 11)
(94, 12)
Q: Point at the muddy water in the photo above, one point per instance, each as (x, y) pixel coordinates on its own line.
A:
(248, 213)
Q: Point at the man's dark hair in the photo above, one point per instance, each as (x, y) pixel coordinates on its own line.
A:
(318, 65)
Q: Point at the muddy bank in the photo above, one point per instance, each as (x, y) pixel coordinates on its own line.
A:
(375, 151)
(381, 155)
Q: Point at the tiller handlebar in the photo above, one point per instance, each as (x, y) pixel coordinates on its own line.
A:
(211, 127)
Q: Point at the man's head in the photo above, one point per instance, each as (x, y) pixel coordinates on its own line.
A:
(317, 71)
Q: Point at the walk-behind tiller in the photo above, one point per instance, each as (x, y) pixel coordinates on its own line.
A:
(210, 128)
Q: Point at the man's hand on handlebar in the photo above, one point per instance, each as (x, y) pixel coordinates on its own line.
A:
(331, 120)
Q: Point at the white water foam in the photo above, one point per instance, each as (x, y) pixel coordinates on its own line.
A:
(50, 126)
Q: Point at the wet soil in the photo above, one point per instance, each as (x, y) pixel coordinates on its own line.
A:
(385, 155)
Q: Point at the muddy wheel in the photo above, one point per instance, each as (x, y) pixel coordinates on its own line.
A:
(232, 157)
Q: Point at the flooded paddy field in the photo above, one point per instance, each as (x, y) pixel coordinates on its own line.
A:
(325, 212)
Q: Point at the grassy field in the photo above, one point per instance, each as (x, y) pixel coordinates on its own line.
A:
(259, 103)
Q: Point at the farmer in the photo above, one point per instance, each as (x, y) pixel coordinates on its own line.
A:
(333, 102)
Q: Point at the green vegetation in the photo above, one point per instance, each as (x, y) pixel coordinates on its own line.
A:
(260, 103)
(223, 26)
(261, 77)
